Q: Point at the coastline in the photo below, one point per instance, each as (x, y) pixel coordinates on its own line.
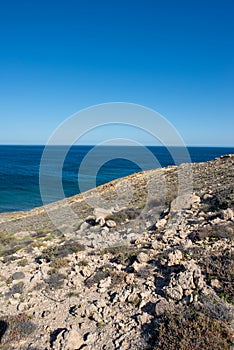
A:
(126, 283)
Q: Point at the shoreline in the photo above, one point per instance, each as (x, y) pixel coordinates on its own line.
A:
(124, 283)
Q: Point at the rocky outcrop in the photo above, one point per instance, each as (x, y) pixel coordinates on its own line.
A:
(114, 284)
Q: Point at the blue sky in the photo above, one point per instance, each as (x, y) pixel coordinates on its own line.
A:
(58, 57)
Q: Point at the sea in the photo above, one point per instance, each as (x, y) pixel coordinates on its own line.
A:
(81, 168)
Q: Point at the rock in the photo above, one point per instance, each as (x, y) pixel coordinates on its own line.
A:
(129, 278)
(90, 309)
(216, 221)
(192, 278)
(174, 257)
(183, 234)
(105, 283)
(136, 266)
(72, 340)
(110, 223)
(207, 196)
(101, 214)
(104, 230)
(154, 245)
(91, 338)
(18, 275)
(100, 303)
(188, 243)
(174, 292)
(84, 226)
(161, 307)
(185, 280)
(227, 214)
(183, 202)
(142, 257)
(215, 284)
(161, 224)
(144, 318)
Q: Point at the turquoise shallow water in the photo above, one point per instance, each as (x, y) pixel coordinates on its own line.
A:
(19, 169)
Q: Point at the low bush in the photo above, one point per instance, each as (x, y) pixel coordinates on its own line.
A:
(190, 329)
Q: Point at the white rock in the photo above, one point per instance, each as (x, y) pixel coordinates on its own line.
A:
(185, 280)
(72, 340)
(136, 266)
(174, 257)
(144, 318)
(188, 243)
(100, 303)
(183, 234)
(154, 245)
(227, 214)
(91, 338)
(105, 283)
(161, 224)
(142, 257)
(215, 283)
(110, 223)
(183, 202)
(174, 292)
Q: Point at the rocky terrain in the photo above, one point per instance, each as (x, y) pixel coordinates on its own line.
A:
(158, 273)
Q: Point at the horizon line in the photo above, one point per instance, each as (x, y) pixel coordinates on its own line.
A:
(114, 145)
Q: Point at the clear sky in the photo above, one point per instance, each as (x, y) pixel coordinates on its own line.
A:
(175, 56)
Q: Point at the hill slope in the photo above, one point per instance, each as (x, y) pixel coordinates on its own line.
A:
(159, 274)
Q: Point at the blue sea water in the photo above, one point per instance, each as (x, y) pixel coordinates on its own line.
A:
(20, 165)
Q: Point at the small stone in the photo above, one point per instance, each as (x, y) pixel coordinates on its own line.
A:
(100, 303)
(227, 214)
(136, 266)
(175, 292)
(144, 318)
(188, 243)
(161, 224)
(105, 283)
(215, 284)
(207, 196)
(154, 245)
(216, 221)
(18, 275)
(72, 340)
(110, 223)
(142, 257)
(185, 280)
(91, 338)
(183, 202)
(129, 278)
(161, 307)
(84, 226)
(174, 257)
(22, 307)
(183, 234)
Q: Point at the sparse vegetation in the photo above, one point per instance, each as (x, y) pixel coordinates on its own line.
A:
(59, 263)
(221, 266)
(14, 329)
(51, 254)
(121, 254)
(177, 295)
(55, 280)
(190, 329)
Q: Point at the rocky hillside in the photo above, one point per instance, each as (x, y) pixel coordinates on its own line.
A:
(157, 273)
